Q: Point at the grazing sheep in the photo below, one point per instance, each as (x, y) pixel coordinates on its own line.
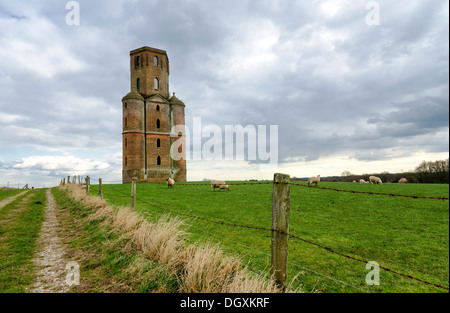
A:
(170, 182)
(224, 187)
(375, 180)
(362, 181)
(314, 180)
(403, 180)
(216, 184)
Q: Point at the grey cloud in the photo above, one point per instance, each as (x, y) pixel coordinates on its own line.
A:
(342, 93)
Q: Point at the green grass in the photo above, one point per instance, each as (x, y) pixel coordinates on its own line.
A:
(407, 235)
(5, 193)
(108, 263)
(20, 224)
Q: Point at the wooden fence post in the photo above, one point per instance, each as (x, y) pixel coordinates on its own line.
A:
(280, 228)
(88, 182)
(100, 190)
(68, 179)
(133, 193)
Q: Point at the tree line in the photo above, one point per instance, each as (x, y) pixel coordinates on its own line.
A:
(427, 172)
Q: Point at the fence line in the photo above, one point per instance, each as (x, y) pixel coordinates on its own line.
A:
(373, 193)
(267, 254)
(289, 234)
(317, 187)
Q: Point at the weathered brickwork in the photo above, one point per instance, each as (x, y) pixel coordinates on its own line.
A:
(149, 113)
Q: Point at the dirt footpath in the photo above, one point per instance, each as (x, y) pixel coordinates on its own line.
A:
(8, 200)
(49, 259)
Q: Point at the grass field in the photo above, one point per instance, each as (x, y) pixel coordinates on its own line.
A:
(20, 224)
(5, 193)
(407, 235)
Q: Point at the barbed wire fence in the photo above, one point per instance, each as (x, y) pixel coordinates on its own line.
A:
(273, 230)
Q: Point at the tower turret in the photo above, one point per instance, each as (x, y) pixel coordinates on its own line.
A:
(150, 71)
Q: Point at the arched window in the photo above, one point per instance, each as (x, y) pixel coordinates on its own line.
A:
(156, 82)
(138, 84)
(157, 107)
(158, 143)
(125, 105)
(155, 60)
(158, 123)
(138, 61)
(158, 160)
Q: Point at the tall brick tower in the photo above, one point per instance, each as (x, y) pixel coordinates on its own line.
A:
(149, 113)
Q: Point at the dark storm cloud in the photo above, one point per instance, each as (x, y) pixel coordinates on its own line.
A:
(332, 83)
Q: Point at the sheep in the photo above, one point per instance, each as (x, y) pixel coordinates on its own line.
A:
(170, 182)
(376, 180)
(362, 181)
(216, 184)
(314, 180)
(224, 187)
(403, 180)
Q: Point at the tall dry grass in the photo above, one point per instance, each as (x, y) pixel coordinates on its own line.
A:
(200, 268)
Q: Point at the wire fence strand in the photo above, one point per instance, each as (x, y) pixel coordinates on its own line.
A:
(271, 230)
(317, 187)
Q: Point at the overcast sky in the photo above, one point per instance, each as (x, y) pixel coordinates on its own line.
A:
(345, 93)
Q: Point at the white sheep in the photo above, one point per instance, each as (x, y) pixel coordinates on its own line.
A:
(170, 182)
(375, 180)
(224, 187)
(216, 184)
(314, 180)
(362, 181)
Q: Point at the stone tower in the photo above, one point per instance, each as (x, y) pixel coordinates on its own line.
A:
(149, 113)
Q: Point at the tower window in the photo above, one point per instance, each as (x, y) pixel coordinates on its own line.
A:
(155, 61)
(158, 143)
(138, 60)
(158, 160)
(156, 83)
(158, 123)
(126, 161)
(157, 107)
(138, 84)
(125, 105)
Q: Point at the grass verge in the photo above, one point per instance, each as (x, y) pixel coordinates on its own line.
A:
(20, 224)
(120, 250)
